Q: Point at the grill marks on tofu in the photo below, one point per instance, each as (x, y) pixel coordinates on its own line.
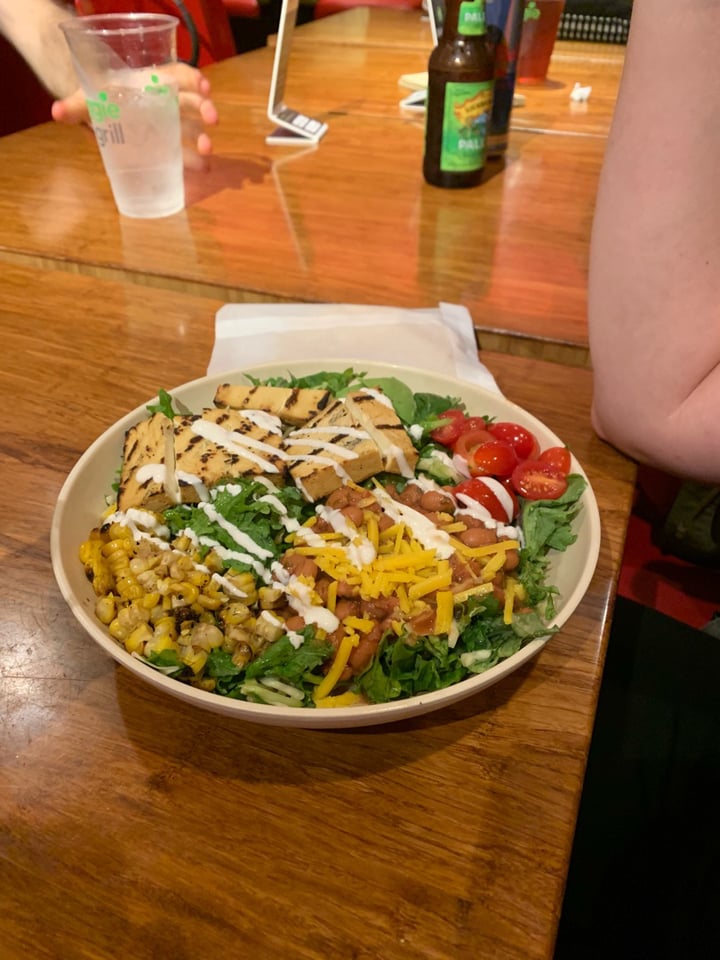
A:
(329, 450)
(169, 461)
(332, 442)
(220, 444)
(387, 430)
(143, 474)
(293, 405)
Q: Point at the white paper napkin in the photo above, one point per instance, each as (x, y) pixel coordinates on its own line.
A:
(441, 340)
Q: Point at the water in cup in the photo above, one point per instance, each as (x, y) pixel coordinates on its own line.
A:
(133, 106)
(136, 123)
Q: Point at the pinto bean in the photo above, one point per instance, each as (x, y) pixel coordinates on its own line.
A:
(512, 559)
(385, 522)
(295, 623)
(460, 569)
(299, 565)
(322, 584)
(347, 589)
(354, 514)
(380, 609)
(433, 501)
(339, 498)
(411, 495)
(477, 537)
(423, 624)
(365, 650)
(347, 608)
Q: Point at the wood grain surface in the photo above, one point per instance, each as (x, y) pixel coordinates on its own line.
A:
(349, 221)
(393, 42)
(132, 825)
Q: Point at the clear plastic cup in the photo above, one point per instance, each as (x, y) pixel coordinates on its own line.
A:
(133, 106)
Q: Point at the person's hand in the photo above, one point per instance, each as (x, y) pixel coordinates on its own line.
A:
(196, 110)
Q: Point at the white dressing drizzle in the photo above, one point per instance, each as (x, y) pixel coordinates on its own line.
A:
(359, 550)
(261, 418)
(237, 443)
(423, 529)
(299, 596)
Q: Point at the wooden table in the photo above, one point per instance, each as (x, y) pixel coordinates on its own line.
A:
(132, 825)
(350, 221)
(391, 42)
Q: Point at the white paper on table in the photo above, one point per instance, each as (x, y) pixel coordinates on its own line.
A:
(439, 339)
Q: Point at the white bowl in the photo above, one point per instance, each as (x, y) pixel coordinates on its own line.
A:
(83, 498)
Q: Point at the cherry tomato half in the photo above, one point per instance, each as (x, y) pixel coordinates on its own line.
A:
(475, 423)
(558, 458)
(522, 440)
(468, 442)
(448, 433)
(500, 503)
(494, 458)
(536, 480)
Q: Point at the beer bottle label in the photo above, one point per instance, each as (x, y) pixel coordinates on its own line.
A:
(465, 123)
(471, 22)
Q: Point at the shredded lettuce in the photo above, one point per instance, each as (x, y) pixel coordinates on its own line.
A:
(279, 661)
(336, 383)
(247, 506)
(547, 525)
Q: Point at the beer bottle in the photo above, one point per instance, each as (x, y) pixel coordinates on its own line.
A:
(459, 98)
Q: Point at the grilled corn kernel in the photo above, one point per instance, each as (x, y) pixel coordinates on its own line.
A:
(211, 601)
(234, 613)
(242, 655)
(166, 626)
(158, 643)
(195, 659)
(105, 609)
(135, 641)
(268, 627)
(270, 597)
(183, 594)
(206, 636)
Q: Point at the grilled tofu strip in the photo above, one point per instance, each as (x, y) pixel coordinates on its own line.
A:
(293, 405)
(330, 450)
(221, 444)
(205, 448)
(386, 429)
(145, 470)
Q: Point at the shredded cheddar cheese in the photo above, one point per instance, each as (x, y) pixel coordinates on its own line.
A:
(347, 699)
(326, 685)
(509, 600)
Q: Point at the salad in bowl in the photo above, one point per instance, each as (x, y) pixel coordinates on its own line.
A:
(328, 546)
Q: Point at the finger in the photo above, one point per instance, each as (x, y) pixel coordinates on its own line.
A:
(196, 106)
(72, 109)
(187, 78)
(204, 145)
(197, 145)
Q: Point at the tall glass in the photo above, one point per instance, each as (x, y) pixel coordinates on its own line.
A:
(541, 20)
(133, 106)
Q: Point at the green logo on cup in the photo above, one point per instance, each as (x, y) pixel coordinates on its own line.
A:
(101, 110)
(156, 86)
(531, 11)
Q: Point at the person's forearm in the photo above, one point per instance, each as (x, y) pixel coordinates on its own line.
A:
(32, 28)
(654, 290)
